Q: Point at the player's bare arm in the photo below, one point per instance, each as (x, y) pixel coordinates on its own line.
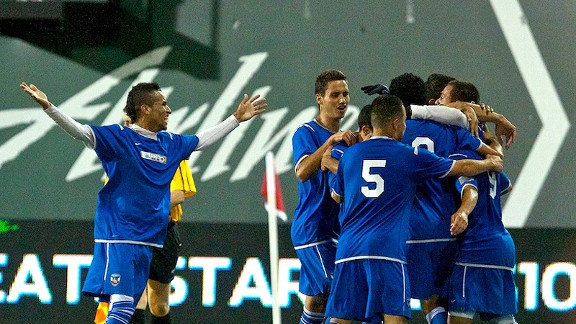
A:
(459, 220)
(471, 168)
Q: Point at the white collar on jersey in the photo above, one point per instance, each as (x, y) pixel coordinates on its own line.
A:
(144, 132)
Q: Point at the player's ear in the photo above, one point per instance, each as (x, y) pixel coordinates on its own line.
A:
(318, 98)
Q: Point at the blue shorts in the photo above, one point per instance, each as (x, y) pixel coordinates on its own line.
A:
(367, 288)
(429, 265)
(490, 292)
(118, 268)
(317, 269)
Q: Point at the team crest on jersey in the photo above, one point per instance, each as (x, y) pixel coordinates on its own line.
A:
(153, 157)
(115, 279)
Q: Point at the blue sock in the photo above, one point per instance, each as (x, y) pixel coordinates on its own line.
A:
(309, 317)
(437, 316)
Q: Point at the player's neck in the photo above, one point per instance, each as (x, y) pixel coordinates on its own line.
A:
(328, 123)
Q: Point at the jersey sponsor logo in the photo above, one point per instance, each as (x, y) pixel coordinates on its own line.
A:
(153, 157)
(115, 279)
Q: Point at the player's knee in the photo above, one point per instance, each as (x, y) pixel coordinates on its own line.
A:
(316, 304)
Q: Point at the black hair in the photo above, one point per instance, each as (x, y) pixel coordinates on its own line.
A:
(325, 77)
(384, 109)
(140, 94)
(464, 91)
(409, 88)
(435, 83)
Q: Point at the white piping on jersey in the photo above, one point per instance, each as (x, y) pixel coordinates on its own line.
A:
(431, 240)
(368, 257)
(128, 242)
(451, 167)
(488, 266)
(308, 126)
(314, 244)
(300, 160)
(339, 151)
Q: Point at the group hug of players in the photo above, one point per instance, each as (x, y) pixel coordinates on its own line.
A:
(406, 207)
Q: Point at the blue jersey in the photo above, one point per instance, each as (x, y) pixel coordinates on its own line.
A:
(377, 181)
(486, 241)
(316, 214)
(436, 198)
(134, 205)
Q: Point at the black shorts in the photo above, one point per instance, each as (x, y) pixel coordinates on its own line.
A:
(164, 259)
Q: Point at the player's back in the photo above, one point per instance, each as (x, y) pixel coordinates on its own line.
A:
(486, 240)
(435, 198)
(378, 178)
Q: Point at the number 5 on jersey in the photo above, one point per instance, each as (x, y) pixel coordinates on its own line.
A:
(370, 177)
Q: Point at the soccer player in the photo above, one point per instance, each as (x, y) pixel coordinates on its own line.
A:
(376, 183)
(482, 281)
(132, 208)
(157, 292)
(315, 224)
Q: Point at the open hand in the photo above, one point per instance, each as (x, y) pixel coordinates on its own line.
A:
(39, 96)
(250, 107)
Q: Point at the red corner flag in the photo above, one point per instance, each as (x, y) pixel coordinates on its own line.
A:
(279, 201)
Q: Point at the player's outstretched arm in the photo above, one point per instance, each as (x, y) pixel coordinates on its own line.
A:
(71, 126)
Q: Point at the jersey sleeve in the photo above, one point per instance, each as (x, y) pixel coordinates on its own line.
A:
(430, 165)
(504, 183)
(303, 144)
(106, 143)
(467, 141)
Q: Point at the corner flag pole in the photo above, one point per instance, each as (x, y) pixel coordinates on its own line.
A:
(273, 234)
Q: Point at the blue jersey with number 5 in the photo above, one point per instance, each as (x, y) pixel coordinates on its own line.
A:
(377, 181)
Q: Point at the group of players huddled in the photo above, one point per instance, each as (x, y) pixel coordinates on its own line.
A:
(408, 206)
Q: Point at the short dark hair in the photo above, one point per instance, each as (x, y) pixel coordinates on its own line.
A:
(325, 77)
(365, 117)
(384, 109)
(409, 88)
(464, 91)
(435, 83)
(140, 94)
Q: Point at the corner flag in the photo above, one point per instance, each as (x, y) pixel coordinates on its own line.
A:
(275, 184)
